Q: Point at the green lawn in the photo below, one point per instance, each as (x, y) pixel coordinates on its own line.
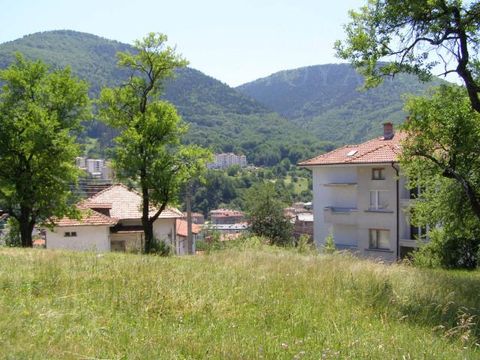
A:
(232, 304)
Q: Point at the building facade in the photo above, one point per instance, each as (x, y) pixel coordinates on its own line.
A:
(112, 221)
(359, 197)
(225, 160)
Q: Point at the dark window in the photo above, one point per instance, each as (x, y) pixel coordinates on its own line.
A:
(378, 174)
(379, 239)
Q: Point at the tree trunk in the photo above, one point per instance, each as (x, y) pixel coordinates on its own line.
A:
(189, 219)
(26, 226)
(147, 225)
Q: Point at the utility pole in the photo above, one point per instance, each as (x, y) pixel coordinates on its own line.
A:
(189, 218)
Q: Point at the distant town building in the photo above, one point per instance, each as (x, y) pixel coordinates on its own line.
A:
(303, 225)
(225, 160)
(226, 216)
(197, 218)
(98, 168)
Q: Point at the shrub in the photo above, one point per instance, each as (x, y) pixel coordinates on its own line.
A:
(329, 246)
(448, 251)
(305, 244)
(12, 237)
(161, 248)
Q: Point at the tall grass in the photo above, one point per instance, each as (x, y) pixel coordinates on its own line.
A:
(233, 304)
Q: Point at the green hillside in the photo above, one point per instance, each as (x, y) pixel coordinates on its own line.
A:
(220, 116)
(327, 100)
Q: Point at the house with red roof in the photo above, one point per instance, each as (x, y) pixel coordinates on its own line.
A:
(359, 196)
(111, 221)
(182, 234)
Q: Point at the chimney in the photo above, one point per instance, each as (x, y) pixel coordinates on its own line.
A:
(388, 131)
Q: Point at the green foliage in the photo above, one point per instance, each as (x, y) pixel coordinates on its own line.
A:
(440, 156)
(148, 149)
(40, 113)
(305, 245)
(12, 237)
(415, 36)
(326, 101)
(329, 246)
(238, 303)
(265, 213)
(449, 250)
(222, 189)
(161, 248)
(219, 117)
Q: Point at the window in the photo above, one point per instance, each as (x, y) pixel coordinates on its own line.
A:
(70, 234)
(378, 174)
(378, 199)
(419, 232)
(379, 239)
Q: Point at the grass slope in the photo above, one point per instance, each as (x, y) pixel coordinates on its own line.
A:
(235, 304)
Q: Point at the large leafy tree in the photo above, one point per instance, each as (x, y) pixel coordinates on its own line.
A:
(148, 149)
(265, 213)
(416, 36)
(441, 156)
(444, 141)
(40, 112)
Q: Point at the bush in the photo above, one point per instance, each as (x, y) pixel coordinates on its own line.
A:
(449, 252)
(12, 237)
(305, 244)
(329, 246)
(161, 248)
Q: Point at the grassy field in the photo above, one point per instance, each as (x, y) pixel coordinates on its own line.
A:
(232, 304)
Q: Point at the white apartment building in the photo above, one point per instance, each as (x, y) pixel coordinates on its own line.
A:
(359, 196)
(225, 160)
(98, 168)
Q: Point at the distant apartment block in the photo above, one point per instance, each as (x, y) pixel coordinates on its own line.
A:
(225, 160)
(98, 168)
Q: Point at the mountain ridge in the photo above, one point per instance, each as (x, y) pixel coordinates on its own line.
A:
(327, 100)
(220, 117)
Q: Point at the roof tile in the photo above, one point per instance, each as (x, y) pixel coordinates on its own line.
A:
(126, 203)
(378, 150)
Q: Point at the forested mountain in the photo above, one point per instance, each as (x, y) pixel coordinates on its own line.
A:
(327, 100)
(291, 114)
(220, 117)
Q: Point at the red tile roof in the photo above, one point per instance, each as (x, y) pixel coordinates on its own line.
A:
(182, 228)
(88, 218)
(374, 151)
(126, 203)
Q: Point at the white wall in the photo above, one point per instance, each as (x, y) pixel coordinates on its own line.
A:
(93, 238)
(324, 196)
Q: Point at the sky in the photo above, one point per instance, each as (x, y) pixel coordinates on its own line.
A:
(232, 41)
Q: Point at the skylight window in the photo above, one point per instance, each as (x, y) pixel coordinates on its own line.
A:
(352, 152)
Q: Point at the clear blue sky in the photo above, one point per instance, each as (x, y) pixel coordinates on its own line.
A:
(233, 41)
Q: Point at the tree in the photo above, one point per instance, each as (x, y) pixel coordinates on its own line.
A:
(444, 140)
(40, 111)
(415, 36)
(265, 213)
(440, 156)
(148, 149)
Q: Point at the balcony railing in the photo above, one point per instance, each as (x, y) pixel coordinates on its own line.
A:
(340, 215)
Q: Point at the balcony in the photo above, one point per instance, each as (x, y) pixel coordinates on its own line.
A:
(340, 215)
(340, 184)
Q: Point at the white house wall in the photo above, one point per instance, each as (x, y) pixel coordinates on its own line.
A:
(325, 196)
(91, 238)
(349, 187)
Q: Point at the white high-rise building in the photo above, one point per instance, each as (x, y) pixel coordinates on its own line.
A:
(225, 160)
